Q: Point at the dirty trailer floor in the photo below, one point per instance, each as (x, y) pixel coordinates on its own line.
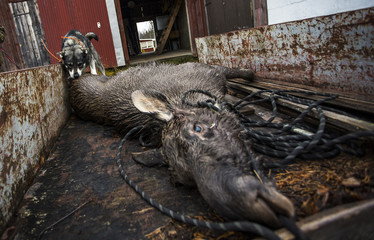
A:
(82, 168)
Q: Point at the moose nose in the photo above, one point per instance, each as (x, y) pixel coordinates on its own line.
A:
(76, 75)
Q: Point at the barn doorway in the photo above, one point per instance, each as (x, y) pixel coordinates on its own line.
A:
(138, 15)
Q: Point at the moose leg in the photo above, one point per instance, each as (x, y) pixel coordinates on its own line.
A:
(149, 158)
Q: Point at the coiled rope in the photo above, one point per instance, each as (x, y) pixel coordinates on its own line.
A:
(289, 141)
(296, 140)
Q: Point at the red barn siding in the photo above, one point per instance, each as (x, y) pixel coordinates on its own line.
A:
(261, 14)
(196, 15)
(60, 16)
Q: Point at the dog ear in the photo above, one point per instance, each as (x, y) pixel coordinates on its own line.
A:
(61, 54)
(85, 50)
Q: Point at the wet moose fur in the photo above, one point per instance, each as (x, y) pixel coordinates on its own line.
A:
(202, 146)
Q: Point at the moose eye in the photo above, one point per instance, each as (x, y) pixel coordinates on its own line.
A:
(197, 128)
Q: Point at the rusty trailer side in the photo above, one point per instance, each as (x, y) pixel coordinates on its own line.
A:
(33, 109)
(331, 54)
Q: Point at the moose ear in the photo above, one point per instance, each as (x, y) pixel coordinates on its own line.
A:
(153, 103)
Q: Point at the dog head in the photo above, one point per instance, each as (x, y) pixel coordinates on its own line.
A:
(75, 60)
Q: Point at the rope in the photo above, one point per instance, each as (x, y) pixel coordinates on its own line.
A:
(210, 103)
(289, 141)
(58, 59)
(292, 227)
(74, 39)
(243, 226)
(10, 59)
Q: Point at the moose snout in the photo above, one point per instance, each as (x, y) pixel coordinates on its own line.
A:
(237, 196)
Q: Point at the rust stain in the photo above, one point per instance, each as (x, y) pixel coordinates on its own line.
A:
(331, 53)
(33, 109)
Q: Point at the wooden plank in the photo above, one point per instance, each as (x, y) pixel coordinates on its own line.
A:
(38, 33)
(10, 44)
(247, 110)
(30, 36)
(339, 120)
(261, 14)
(26, 27)
(345, 100)
(197, 21)
(349, 221)
(19, 30)
(166, 32)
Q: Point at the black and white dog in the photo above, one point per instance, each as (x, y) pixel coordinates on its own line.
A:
(77, 53)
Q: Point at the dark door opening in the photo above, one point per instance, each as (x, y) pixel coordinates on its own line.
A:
(144, 22)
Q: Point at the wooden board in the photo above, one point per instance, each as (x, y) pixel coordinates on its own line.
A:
(340, 120)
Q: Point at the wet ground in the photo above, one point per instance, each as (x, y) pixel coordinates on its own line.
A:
(81, 177)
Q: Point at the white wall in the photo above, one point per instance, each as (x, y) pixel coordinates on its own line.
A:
(117, 42)
(290, 10)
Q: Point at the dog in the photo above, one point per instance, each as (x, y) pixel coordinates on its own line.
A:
(77, 53)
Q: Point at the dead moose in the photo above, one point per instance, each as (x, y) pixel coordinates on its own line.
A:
(202, 146)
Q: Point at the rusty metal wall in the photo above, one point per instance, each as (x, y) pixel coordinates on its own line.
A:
(60, 16)
(331, 54)
(33, 109)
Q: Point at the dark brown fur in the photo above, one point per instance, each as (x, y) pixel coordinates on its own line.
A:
(201, 146)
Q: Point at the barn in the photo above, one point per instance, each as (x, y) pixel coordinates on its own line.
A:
(175, 24)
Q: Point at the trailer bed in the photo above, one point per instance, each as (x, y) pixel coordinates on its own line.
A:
(81, 177)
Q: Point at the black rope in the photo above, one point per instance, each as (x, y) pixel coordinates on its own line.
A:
(292, 140)
(210, 103)
(288, 141)
(292, 227)
(243, 226)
